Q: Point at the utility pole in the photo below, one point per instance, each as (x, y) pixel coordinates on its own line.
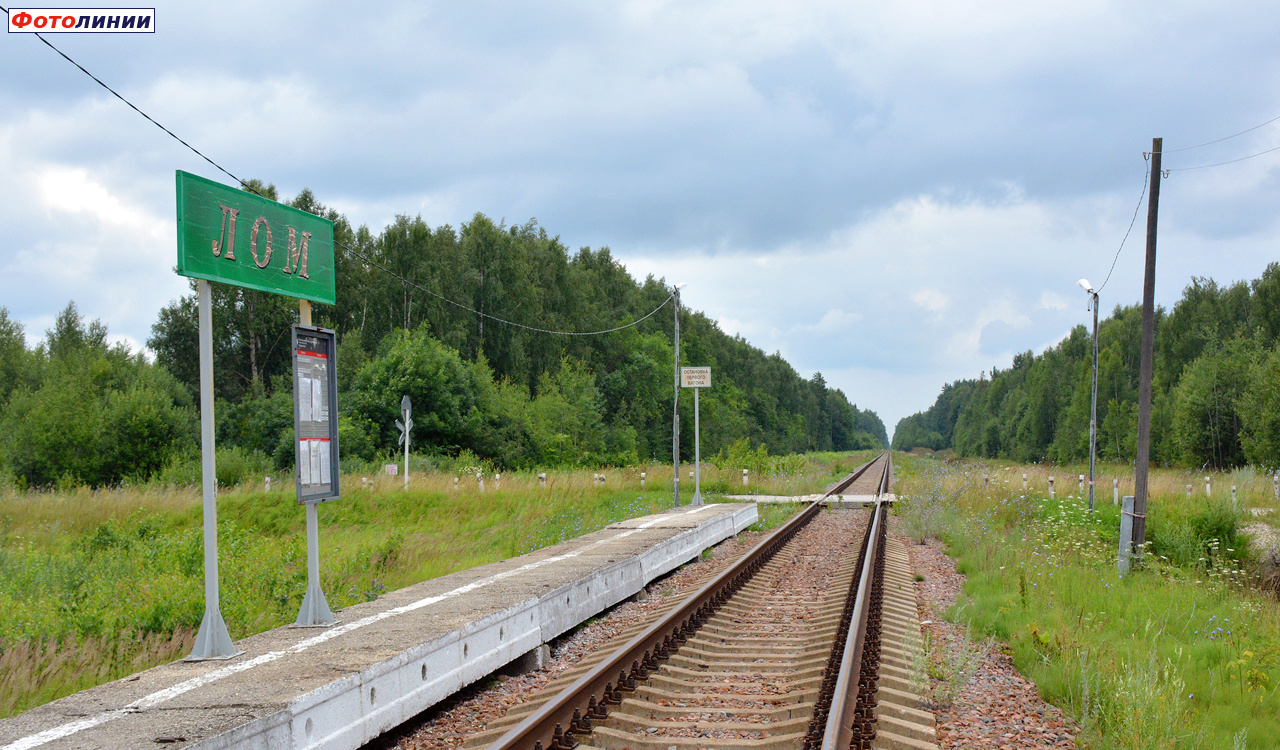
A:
(1148, 349)
(1093, 404)
(675, 410)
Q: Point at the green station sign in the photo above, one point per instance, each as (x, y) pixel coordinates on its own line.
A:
(235, 237)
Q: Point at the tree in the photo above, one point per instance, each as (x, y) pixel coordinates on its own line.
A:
(1206, 420)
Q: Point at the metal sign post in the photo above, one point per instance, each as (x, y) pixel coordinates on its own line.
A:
(315, 420)
(213, 641)
(406, 411)
(696, 378)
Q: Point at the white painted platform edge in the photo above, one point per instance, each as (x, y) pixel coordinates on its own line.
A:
(351, 711)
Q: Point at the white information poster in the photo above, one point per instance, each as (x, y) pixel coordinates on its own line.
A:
(304, 461)
(317, 400)
(304, 398)
(317, 448)
(324, 461)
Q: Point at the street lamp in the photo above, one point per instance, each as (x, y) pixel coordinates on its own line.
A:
(1093, 408)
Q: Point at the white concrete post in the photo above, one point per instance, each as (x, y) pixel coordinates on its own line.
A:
(497, 482)
(1188, 490)
(1208, 486)
(1115, 491)
(642, 477)
(542, 480)
(266, 482)
(1024, 482)
(1233, 496)
(1126, 534)
(1050, 488)
(455, 483)
(986, 481)
(744, 478)
(1081, 490)
(480, 480)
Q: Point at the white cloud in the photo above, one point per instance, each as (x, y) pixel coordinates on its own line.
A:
(1053, 301)
(930, 299)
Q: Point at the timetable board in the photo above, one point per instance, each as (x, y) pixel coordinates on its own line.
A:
(315, 413)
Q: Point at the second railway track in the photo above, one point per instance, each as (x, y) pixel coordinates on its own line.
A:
(762, 656)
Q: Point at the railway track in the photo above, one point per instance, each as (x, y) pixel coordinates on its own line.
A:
(804, 642)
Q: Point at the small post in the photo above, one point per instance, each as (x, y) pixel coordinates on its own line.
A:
(497, 482)
(480, 480)
(642, 477)
(1275, 485)
(1188, 490)
(1024, 482)
(1115, 491)
(542, 479)
(744, 478)
(1126, 534)
(266, 483)
(1233, 497)
(1050, 488)
(1081, 489)
(986, 481)
(455, 484)
(364, 483)
(1208, 486)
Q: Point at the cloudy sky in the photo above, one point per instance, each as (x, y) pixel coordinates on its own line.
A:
(894, 194)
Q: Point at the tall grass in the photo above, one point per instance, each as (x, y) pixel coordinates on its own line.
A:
(98, 584)
(1181, 653)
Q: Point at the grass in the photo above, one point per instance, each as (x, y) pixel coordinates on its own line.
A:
(1183, 653)
(96, 585)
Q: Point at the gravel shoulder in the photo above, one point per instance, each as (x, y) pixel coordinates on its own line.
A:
(995, 707)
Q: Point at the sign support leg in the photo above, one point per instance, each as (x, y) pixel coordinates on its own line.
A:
(697, 453)
(315, 609)
(213, 641)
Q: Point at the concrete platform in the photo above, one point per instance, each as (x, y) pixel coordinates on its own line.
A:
(385, 661)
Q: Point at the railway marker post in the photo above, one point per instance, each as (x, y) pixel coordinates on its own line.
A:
(542, 479)
(1024, 482)
(1050, 488)
(642, 477)
(207, 235)
(696, 378)
(1188, 490)
(1208, 486)
(1115, 491)
(744, 478)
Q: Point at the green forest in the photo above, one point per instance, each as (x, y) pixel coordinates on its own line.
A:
(75, 410)
(1215, 390)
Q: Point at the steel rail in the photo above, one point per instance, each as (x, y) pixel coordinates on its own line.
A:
(554, 725)
(850, 718)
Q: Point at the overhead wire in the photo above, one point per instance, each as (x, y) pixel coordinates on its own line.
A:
(244, 184)
(1221, 163)
(1146, 176)
(1220, 140)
